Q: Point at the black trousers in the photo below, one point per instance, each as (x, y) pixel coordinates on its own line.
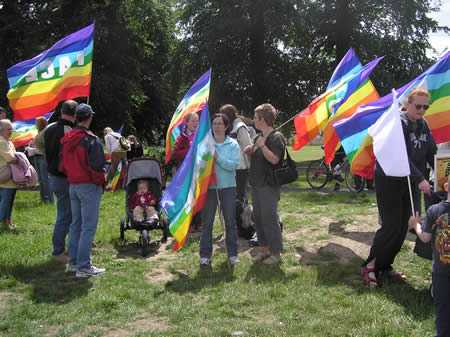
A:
(394, 206)
(241, 185)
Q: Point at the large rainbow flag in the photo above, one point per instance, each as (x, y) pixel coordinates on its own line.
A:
(185, 196)
(62, 72)
(364, 94)
(194, 100)
(310, 121)
(353, 131)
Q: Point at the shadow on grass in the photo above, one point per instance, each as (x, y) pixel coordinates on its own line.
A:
(261, 273)
(132, 250)
(206, 277)
(337, 228)
(336, 264)
(49, 282)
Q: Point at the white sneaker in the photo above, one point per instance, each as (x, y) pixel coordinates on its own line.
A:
(71, 268)
(233, 260)
(204, 261)
(91, 271)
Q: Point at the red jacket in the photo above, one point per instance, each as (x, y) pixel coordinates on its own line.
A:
(142, 199)
(83, 159)
(181, 148)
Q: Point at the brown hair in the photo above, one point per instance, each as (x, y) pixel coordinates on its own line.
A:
(225, 120)
(41, 123)
(267, 112)
(230, 111)
(418, 92)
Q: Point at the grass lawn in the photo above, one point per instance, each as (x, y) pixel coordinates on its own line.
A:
(309, 152)
(315, 292)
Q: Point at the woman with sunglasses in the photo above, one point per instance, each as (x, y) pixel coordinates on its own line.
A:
(394, 205)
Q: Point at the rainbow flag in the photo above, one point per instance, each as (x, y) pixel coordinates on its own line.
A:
(116, 181)
(24, 131)
(364, 94)
(195, 100)
(62, 72)
(353, 131)
(185, 196)
(311, 120)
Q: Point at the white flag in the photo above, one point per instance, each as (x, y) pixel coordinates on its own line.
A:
(389, 143)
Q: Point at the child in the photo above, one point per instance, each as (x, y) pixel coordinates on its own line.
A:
(143, 203)
(436, 228)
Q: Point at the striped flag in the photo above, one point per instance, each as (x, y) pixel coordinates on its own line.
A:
(195, 100)
(364, 94)
(185, 196)
(24, 131)
(311, 120)
(62, 72)
(353, 131)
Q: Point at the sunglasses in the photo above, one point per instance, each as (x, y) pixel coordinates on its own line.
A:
(421, 106)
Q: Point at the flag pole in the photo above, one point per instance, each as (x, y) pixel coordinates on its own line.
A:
(411, 196)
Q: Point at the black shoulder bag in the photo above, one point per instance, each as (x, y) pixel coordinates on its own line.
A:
(286, 171)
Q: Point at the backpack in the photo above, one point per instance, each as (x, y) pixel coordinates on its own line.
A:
(22, 172)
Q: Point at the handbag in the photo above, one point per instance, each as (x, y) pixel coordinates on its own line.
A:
(5, 174)
(286, 172)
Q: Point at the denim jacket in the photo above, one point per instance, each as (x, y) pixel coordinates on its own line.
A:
(227, 161)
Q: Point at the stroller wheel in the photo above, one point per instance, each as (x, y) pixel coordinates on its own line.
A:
(145, 241)
(122, 230)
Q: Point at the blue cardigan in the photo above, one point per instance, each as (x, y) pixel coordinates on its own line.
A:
(227, 160)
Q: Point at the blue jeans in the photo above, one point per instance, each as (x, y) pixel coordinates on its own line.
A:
(441, 295)
(7, 196)
(85, 203)
(60, 187)
(40, 164)
(227, 198)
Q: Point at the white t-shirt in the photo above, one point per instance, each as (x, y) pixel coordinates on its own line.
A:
(112, 142)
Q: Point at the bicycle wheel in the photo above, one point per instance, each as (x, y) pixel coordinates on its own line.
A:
(317, 174)
(354, 183)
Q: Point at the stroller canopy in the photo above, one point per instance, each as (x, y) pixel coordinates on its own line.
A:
(144, 168)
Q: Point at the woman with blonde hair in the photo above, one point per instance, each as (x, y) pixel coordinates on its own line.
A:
(7, 186)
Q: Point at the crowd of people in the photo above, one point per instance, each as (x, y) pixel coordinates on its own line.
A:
(71, 163)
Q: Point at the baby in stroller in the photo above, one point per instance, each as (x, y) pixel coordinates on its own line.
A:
(142, 203)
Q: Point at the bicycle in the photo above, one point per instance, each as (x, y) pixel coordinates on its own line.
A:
(319, 174)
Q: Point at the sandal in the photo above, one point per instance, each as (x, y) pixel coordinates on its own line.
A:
(369, 277)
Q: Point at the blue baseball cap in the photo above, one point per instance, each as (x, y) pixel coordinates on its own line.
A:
(84, 110)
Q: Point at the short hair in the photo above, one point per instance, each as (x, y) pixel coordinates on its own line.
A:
(230, 111)
(3, 110)
(225, 120)
(68, 107)
(267, 112)
(3, 123)
(418, 92)
(41, 123)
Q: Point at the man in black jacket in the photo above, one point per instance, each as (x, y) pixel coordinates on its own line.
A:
(394, 204)
(58, 181)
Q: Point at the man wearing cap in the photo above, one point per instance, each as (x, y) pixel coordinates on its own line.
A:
(57, 179)
(83, 161)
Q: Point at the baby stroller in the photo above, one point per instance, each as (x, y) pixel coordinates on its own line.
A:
(148, 169)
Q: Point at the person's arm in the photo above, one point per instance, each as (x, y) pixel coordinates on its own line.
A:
(272, 157)
(6, 152)
(243, 138)
(423, 232)
(228, 161)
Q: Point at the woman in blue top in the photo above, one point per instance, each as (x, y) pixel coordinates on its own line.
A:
(227, 157)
